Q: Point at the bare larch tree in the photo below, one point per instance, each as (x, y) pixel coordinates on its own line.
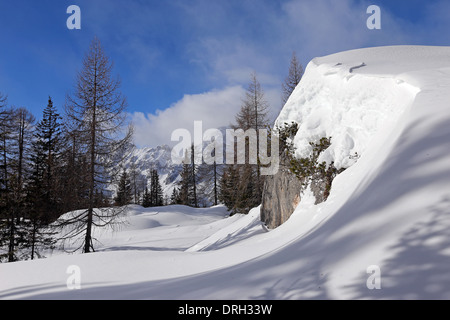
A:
(95, 114)
(293, 79)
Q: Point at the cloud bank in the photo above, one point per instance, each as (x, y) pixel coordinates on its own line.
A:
(215, 109)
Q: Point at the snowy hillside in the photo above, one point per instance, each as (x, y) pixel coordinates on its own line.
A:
(383, 233)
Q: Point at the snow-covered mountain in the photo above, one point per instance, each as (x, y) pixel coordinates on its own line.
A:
(141, 161)
(383, 233)
(144, 160)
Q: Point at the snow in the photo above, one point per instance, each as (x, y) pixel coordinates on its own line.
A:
(354, 110)
(390, 208)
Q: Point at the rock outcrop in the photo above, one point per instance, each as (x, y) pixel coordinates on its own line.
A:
(281, 195)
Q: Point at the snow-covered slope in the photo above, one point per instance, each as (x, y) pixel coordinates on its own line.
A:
(390, 209)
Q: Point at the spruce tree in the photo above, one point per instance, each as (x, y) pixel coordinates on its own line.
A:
(156, 193)
(188, 182)
(43, 187)
(124, 194)
(175, 196)
(185, 186)
(194, 177)
(45, 184)
(146, 200)
(227, 190)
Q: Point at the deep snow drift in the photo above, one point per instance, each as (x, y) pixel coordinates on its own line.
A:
(390, 208)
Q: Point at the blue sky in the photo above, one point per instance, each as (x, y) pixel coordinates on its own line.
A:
(186, 60)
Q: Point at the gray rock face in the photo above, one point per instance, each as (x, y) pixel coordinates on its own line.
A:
(281, 195)
(318, 188)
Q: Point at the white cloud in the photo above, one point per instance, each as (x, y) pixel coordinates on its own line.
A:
(215, 109)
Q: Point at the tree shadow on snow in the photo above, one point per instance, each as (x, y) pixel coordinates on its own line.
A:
(420, 268)
(419, 263)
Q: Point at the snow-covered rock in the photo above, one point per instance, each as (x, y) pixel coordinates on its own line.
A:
(352, 102)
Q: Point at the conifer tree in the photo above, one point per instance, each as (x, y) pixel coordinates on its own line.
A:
(156, 193)
(210, 175)
(7, 222)
(45, 184)
(23, 122)
(227, 188)
(245, 180)
(253, 115)
(293, 79)
(188, 182)
(124, 195)
(135, 183)
(72, 172)
(215, 179)
(95, 116)
(194, 177)
(43, 189)
(185, 186)
(37, 234)
(16, 140)
(146, 201)
(175, 196)
(5, 131)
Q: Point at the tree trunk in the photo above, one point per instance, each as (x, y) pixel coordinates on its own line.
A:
(215, 183)
(88, 238)
(11, 245)
(194, 182)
